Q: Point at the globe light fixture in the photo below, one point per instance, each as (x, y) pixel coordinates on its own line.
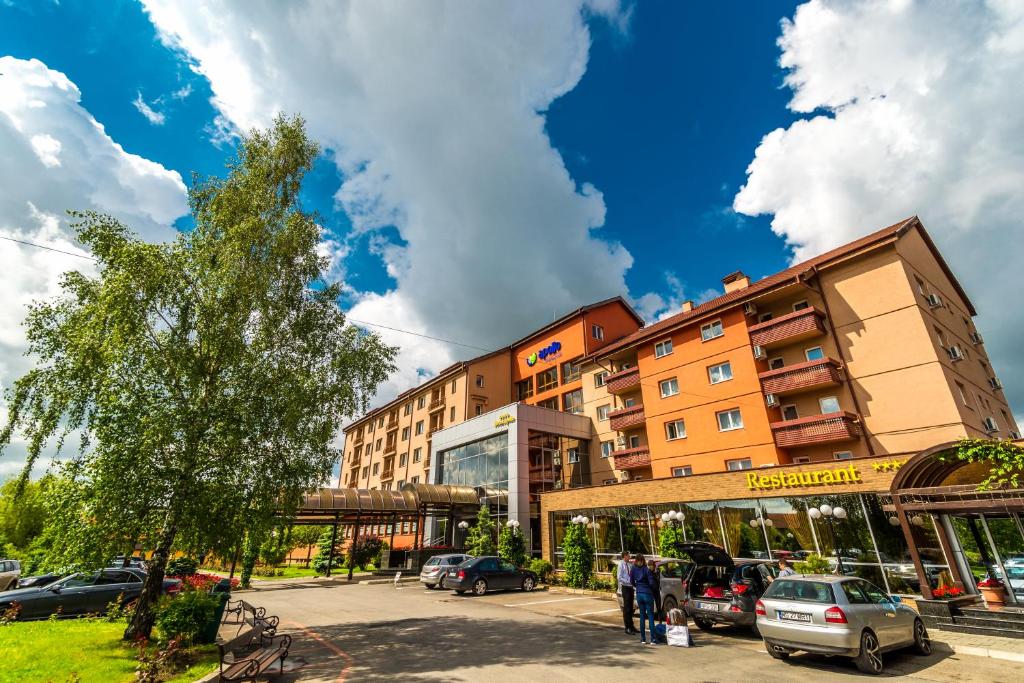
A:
(664, 517)
(826, 510)
(894, 520)
(839, 513)
(830, 514)
(815, 513)
(463, 525)
(917, 520)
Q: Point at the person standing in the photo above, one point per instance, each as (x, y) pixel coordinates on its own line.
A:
(622, 575)
(645, 587)
(784, 568)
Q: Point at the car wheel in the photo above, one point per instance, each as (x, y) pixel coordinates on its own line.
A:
(777, 652)
(922, 644)
(703, 624)
(479, 587)
(528, 584)
(869, 661)
(668, 605)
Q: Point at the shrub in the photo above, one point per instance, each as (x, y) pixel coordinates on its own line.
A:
(579, 556)
(671, 540)
(512, 546)
(542, 568)
(323, 552)
(185, 616)
(480, 539)
(596, 584)
(814, 564)
(366, 550)
(181, 567)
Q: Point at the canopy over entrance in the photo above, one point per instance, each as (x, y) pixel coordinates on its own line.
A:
(936, 484)
(347, 506)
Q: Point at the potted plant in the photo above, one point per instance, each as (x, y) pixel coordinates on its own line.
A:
(947, 593)
(993, 591)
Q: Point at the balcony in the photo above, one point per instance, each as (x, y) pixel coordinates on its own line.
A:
(392, 424)
(436, 404)
(626, 417)
(632, 458)
(787, 329)
(390, 447)
(622, 381)
(388, 474)
(793, 379)
(436, 428)
(805, 431)
(359, 437)
(353, 461)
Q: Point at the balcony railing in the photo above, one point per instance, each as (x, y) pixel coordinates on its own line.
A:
(622, 381)
(353, 461)
(387, 474)
(789, 328)
(430, 432)
(826, 428)
(436, 404)
(626, 417)
(801, 377)
(632, 458)
(392, 424)
(390, 448)
(359, 436)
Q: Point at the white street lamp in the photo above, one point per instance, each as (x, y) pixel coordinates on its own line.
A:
(463, 525)
(839, 513)
(829, 514)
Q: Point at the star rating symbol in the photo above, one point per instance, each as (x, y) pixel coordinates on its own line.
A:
(887, 465)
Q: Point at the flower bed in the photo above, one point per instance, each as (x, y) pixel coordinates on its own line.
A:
(201, 581)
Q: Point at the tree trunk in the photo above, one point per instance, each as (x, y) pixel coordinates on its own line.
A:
(141, 624)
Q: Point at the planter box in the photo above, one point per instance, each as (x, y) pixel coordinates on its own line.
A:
(945, 609)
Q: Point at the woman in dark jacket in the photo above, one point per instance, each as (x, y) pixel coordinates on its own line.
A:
(646, 588)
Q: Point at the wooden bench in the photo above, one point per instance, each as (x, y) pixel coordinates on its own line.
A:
(249, 615)
(240, 662)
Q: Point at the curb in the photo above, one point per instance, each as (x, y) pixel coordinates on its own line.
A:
(583, 591)
(976, 651)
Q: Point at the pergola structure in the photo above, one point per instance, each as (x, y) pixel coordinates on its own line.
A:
(356, 507)
(936, 483)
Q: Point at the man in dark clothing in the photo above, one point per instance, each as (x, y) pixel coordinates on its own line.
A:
(622, 575)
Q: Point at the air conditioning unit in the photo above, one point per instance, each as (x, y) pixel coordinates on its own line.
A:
(955, 353)
(759, 352)
(750, 308)
(995, 383)
(620, 441)
(976, 338)
(771, 400)
(990, 425)
(934, 300)
(624, 476)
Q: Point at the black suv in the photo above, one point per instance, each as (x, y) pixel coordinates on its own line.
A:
(725, 591)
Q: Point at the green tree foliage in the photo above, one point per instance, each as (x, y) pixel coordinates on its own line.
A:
(186, 616)
(480, 539)
(670, 540)
(365, 550)
(22, 515)
(1004, 458)
(579, 555)
(207, 375)
(542, 568)
(181, 566)
(323, 551)
(814, 564)
(512, 545)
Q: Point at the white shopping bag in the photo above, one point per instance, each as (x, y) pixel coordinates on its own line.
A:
(678, 636)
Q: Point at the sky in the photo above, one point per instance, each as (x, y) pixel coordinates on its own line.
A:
(490, 165)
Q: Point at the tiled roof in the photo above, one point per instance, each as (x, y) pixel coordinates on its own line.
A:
(790, 274)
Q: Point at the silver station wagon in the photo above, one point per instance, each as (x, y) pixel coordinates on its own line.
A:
(837, 615)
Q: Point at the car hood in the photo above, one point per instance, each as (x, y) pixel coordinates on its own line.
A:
(20, 594)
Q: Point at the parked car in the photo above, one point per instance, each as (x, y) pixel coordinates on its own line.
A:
(134, 562)
(434, 569)
(39, 580)
(488, 573)
(837, 615)
(10, 572)
(82, 593)
(718, 593)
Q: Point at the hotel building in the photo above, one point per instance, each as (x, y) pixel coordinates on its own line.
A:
(848, 362)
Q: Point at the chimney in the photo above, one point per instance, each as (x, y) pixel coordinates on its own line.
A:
(687, 305)
(734, 281)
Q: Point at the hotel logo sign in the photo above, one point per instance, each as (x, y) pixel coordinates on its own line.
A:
(552, 351)
(504, 420)
(762, 482)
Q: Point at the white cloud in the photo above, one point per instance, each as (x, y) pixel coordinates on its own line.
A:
(55, 156)
(434, 113)
(919, 111)
(155, 117)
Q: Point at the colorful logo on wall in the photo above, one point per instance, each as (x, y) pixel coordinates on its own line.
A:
(550, 351)
(504, 420)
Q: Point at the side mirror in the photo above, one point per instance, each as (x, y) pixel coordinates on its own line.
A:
(895, 599)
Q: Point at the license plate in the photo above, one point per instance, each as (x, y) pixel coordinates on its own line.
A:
(712, 606)
(795, 616)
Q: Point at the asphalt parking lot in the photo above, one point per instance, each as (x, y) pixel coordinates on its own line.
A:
(366, 633)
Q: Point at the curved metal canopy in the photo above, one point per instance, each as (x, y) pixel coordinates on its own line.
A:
(443, 494)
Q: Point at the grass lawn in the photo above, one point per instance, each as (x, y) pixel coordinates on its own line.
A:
(291, 572)
(91, 649)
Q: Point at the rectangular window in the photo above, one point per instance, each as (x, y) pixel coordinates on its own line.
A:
(479, 409)
(376, 468)
(379, 442)
(602, 412)
(663, 348)
(597, 332)
(454, 385)
(684, 471)
(676, 429)
(599, 378)
(829, 404)
(634, 441)
(764, 317)
(941, 337)
(729, 420)
(842, 455)
(571, 371)
(380, 422)
(573, 455)
(402, 459)
(801, 305)
(720, 373)
(400, 484)
(386, 486)
(776, 363)
(416, 480)
(407, 410)
(814, 353)
(417, 454)
(550, 403)
(789, 412)
(668, 387)
(547, 380)
(419, 427)
(480, 381)
(741, 464)
(524, 389)
(572, 402)
(405, 433)
(963, 394)
(606, 448)
(711, 330)
(451, 417)
(420, 402)
(801, 460)
(366, 472)
(920, 286)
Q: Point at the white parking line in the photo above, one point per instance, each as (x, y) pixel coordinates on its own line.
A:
(544, 602)
(600, 611)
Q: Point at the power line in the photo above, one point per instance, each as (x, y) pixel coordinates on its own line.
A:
(418, 334)
(43, 246)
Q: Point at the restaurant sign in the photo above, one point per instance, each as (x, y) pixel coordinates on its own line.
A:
(783, 480)
(504, 420)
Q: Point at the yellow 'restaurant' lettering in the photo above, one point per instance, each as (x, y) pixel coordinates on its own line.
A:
(844, 475)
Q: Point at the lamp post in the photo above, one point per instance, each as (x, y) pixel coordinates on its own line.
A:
(831, 514)
(672, 517)
(765, 523)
